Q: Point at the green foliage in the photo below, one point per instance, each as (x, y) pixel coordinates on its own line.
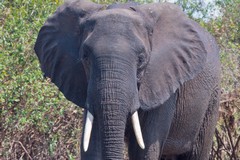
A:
(195, 8)
(28, 102)
(226, 29)
(121, 1)
(38, 122)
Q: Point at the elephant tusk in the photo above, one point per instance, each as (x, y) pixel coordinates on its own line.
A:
(87, 131)
(137, 130)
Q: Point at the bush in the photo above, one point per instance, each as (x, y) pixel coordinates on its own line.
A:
(227, 31)
(35, 117)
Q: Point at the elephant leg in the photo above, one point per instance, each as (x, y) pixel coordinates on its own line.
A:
(202, 147)
(94, 151)
(155, 125)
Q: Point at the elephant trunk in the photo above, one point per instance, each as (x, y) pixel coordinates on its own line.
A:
(113, 108)
(112, 95)
(113, 129)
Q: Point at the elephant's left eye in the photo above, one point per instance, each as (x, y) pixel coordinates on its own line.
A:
(141, 60)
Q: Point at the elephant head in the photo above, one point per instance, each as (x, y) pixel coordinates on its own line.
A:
(115, 61)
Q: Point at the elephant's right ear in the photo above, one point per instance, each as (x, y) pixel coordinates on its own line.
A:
(58, 49)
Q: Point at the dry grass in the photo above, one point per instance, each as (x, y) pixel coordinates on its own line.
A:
(30, 143)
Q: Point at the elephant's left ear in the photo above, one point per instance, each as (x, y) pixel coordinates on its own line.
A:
(178, 53)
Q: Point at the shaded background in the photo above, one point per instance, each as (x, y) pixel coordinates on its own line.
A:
(37, 122)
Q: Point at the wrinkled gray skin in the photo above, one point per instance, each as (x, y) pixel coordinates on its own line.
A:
(148, 58)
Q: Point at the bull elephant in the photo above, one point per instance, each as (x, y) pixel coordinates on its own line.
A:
(145, 74)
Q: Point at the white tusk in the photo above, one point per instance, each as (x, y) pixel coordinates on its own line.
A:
(87, 131)
(137, 130)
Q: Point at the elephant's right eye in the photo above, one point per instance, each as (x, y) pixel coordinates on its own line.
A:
(85, 56)
(86, 52)
(86, 61)
(86, 64)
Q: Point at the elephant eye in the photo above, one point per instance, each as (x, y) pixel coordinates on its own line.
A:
(141, 60)
(86, 52)
(86, 64)
(85, 56)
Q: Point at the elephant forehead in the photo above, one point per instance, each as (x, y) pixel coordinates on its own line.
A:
(116, 16)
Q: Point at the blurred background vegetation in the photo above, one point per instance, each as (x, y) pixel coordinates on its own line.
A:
(37, 122)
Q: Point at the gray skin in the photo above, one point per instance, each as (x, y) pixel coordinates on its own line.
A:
(151, 58)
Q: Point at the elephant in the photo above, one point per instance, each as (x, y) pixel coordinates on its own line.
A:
(146, 75)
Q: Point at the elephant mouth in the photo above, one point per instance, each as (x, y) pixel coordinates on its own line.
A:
(88, 130)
